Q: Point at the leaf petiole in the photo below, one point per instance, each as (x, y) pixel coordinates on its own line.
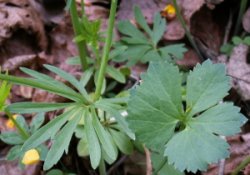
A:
(106, 50)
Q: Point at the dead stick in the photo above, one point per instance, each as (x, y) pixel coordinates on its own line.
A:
(148, 161)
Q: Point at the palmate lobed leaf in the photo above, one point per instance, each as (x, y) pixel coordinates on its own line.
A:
(143, 47)
(61, 142)
(190, 136)
(203, 83)
(48, 130)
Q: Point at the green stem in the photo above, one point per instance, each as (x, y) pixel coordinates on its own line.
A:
(82, 47)
(188, 34)
(83, 8)
(242, 165)
(102, 167)
(107, 47)
(23, 133)
(243, 6)
(161, 164)
(97, 55)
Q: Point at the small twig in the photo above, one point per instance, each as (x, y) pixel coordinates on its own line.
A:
(221, 167)
(148, 161)
(228, 28)
(222, 162)
(246, 81)
(117, 164)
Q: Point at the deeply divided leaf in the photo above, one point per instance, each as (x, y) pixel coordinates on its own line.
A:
(207, 84)
(189, 132)
(143, 45)
(61, 142)
(157, 105)
(47, 131)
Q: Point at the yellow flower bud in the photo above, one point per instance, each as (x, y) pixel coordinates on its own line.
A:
(169, 12)
(9, 122)
(31, 157)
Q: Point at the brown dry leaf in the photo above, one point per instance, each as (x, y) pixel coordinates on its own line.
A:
(149, 8)
(188, 9)
(16, 14)
(26, 92)
(11, 168)
(246, 21)
(174, 31)
(207, 33)
(95, 12)
(52, 15)
(24, 60)
(135, 164)
(239, 70)
(190, 59)
(62, 41)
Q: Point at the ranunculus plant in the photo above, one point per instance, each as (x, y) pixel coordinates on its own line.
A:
(180, 123)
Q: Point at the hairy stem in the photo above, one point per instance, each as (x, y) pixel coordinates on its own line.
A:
(82, 47)
(188, 34)
(106, 50)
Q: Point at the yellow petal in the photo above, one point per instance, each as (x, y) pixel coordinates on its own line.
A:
(10, 124)
(169, 9)
(31, 157)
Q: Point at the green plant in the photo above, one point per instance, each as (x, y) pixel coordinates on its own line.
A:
(188, 134)
(58, 172)
(137, 46)
(228, 48)
(98, 118)
(181, 125)
(243, 6)
(5, 89)
(187, 32)
(16, 139)
(88, 35)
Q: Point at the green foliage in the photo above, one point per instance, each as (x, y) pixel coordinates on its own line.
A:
(90, 32)
(228, 47)
(61, 129)
(17, 140)
(61, 142)
(161, 165)
(5, 88)
(181, 125)
(11, 138)
(144, 47)
(58, 172)
(189, 133)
